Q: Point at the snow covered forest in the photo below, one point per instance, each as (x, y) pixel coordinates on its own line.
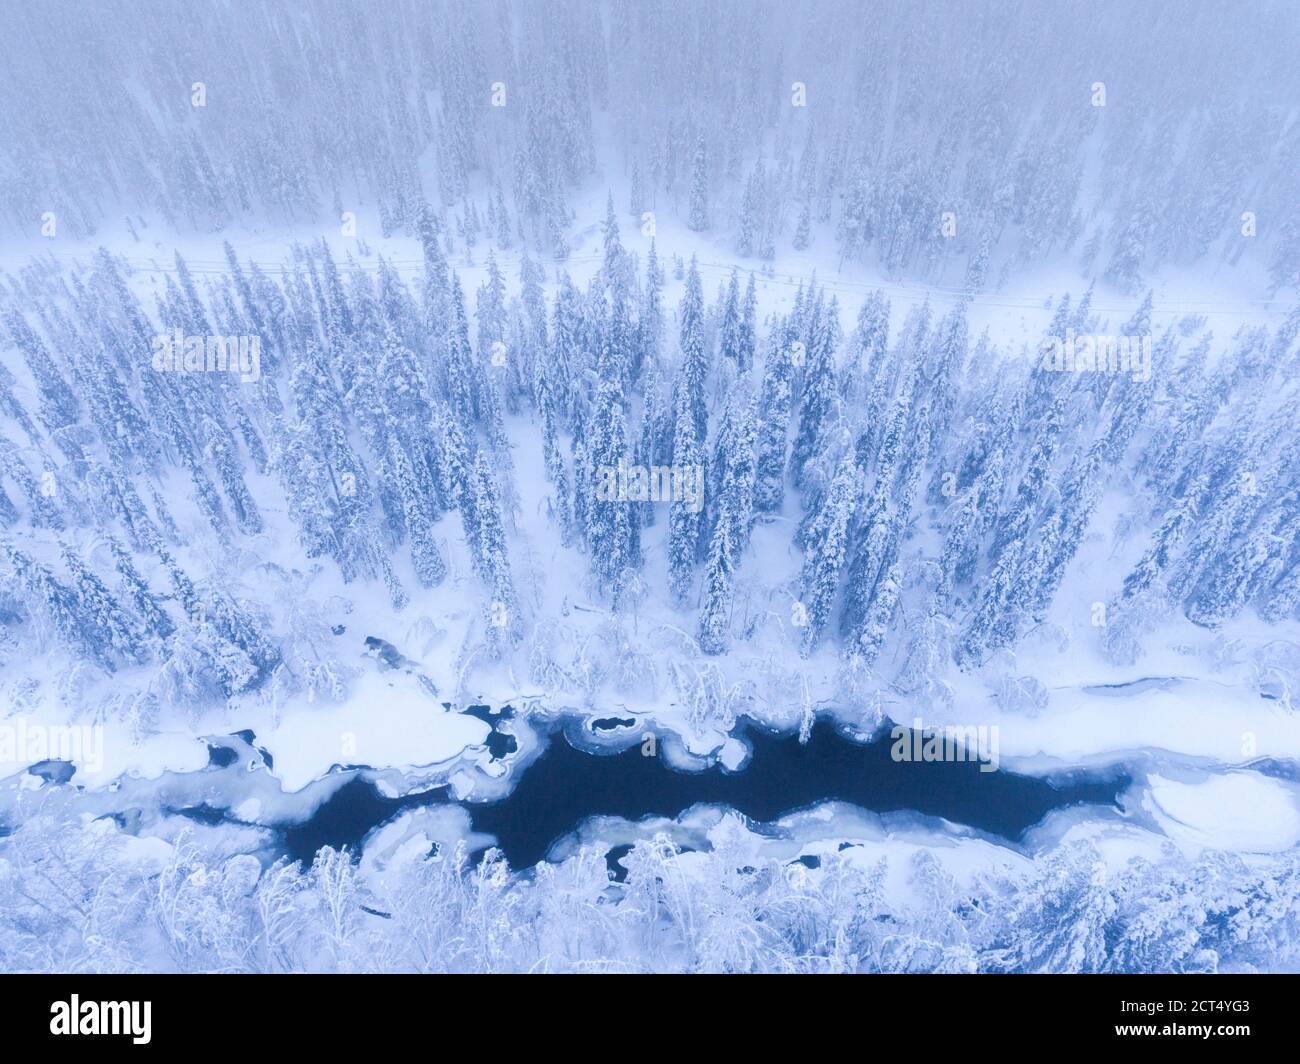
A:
(388, 392)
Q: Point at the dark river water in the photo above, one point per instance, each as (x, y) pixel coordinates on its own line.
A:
(565, 786)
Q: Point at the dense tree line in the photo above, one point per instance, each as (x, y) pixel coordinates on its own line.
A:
(911, 136)
(926, 476)
(190, 908)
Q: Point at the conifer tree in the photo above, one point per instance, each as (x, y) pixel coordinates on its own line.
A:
(684, 520)
(825, 557)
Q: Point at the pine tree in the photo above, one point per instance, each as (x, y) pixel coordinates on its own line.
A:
(491, 311)
(463, 385)
(1229, 580)
(536, 344)
(503, 237)
(869, 346)
(747, 339)
(553, 459)
(485, 534)
(138, 594)
(437, 282)
(453, 458)
(652, 447)
(773, 431)
(240, 630)
(1018, 521)
(698, 217)
(803, 231)
(735, 469)
(60, 604)
(416, 494)
(868, 640)
(636, 194)
(650, 324)
(8, 511)
(819, 395)
(43, 512)
(612, 266)
(684, 521)
(1282, 600)
(694, 371)
(730, 341)
(747, 243)
(610, 520)
(221, 448)
(59, 404)
(825, 558)
(718, 577)
(966, 534)
(997, 616)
